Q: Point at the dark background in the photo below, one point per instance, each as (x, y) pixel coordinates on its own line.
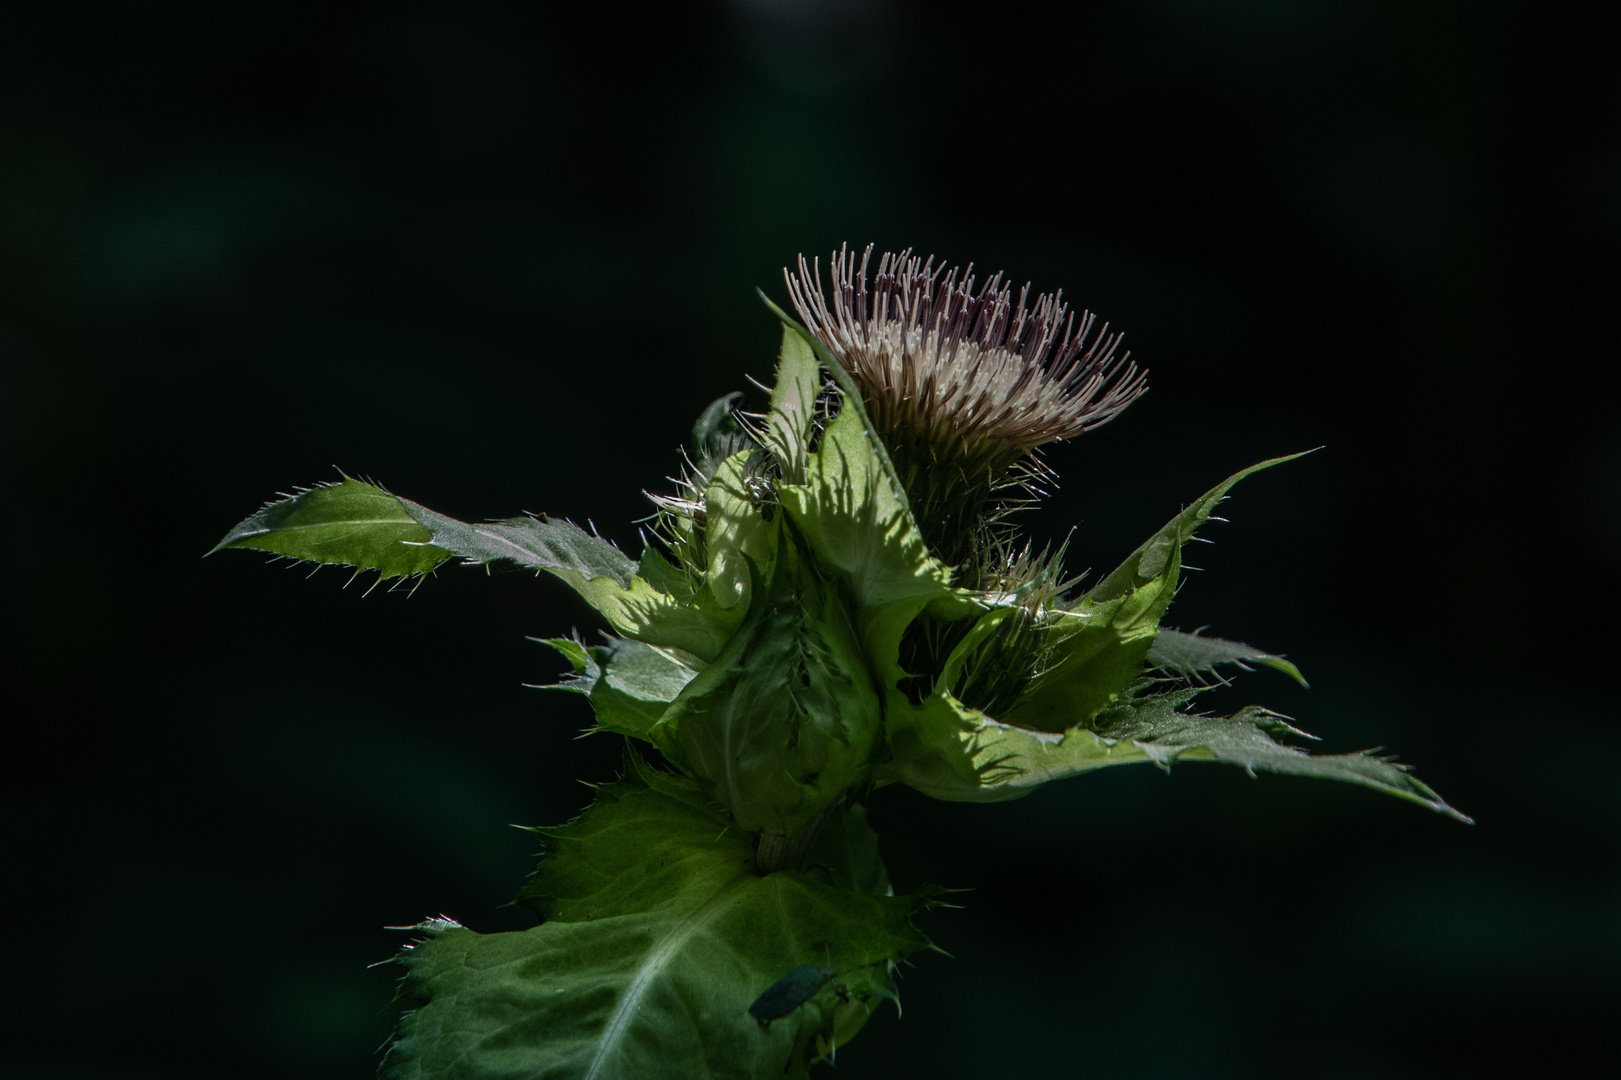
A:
(499, 256)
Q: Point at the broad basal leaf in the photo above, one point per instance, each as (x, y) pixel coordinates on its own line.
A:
(658, 937)
(345, 524)
(629, 683)
(1191, 655)
(952, 752)
(1099, 644)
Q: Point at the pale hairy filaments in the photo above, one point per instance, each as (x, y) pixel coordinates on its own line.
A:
(961, 368)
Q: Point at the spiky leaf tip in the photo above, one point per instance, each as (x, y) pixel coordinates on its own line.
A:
(348, 523)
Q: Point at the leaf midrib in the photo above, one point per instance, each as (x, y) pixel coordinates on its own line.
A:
(657, 959)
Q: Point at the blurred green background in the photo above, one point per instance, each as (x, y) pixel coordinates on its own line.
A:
(499, 255)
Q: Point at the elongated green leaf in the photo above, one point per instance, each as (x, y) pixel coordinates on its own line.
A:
(603, 575)
(952, 752)
(792, 419)
(949, 751)
(1157, 726)
(363, 526)
(629, 683)
(1099, 644)
(344, 524)
(1190, 655)
(658, 936)
(559, 547)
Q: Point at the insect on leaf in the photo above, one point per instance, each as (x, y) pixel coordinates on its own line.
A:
(657, 938)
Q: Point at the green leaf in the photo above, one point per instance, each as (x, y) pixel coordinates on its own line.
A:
(717, 434)
(657, 938)
(852, 394)
(949, 751)
(1190, 655)
(855, 521)
(664, 575)
(363, 526)
(792, 419)
(736, 535)
(629, 683)
(344, 524)
(852, 518)
(784, 720)
(854, 510)
(1156, 726)
(847, 849)
(602, 574)
(559, 547)
(1098, 645)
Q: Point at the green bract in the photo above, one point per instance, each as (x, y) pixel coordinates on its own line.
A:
(794, 643)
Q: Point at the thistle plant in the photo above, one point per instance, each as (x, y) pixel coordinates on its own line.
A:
(836, 598)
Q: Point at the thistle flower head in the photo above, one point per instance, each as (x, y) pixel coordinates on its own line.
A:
(961, 384)
(960, 367)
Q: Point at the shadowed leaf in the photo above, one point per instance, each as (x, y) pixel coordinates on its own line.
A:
(1249, 738)
(540, 543)
(1100, 642)
(1190, 655)
(629, 683)
(603, 575)
(952, 752)
(657, 938)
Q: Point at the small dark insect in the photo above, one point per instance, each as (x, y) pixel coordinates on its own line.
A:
(797, 987)
(789, 993)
